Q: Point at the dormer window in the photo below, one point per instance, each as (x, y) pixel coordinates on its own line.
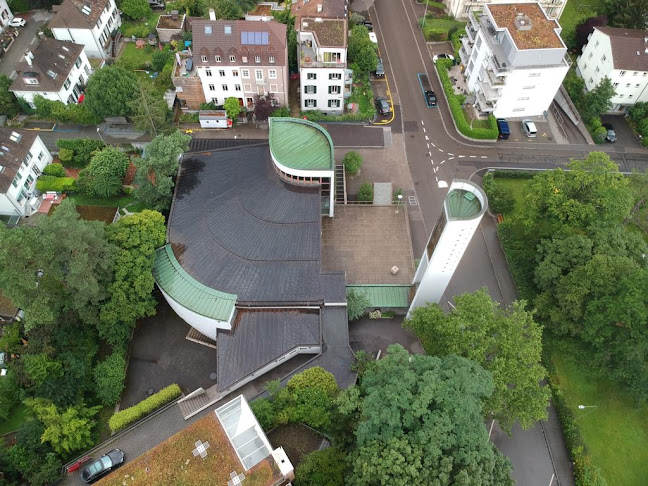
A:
(217, 58)
(244, 59)
(257, 59)
(203, 58)
(232, 58)
(86, 9)
(271, 59)
(30, 80)
(51, 74)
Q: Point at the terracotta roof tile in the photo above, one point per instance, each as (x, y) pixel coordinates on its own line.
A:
(628, 48)
(330, 9)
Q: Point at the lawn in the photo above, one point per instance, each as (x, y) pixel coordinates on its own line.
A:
(297, 440)
(172, 462)
(137, 28)
(575, 12)
(133, 58)
(616, 432)
(517, 188)
(15, 420)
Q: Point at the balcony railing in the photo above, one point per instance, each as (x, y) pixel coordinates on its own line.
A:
(467, 45)
(495, 80)
(308, 57)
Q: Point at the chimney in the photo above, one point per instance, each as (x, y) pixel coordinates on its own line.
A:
(29, 57)
(319, 7)
(522, 22)
(212, 14)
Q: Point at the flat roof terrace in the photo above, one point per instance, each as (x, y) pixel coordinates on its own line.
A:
(541, 35)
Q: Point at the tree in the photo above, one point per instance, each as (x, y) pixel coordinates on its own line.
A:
(358, 39)
(135, 9)
(10, 395)
(136, 236)
(232, 107)
(66, 430)
(352, 162)
(155, 172)
(322, 468)
(629, 14)
(264, 106)
(586, 27)
(500, 200)
(421, 423)
(109, 91)
(508, 343)
(30, 459)
(40, 368)
(149, 111)
(106, 173)
(109, 377)
(366, 60)
(357, 304)
(365, 192)
(8, 103)
(161, 59)
(228, 9)
(597, 101)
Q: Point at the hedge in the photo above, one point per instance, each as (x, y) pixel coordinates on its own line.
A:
(82, 148)
(55, 170)
(455, 107)
(50, 183)
(124, 418)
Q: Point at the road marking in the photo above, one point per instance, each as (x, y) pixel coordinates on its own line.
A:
(450, 153)
(451, 158)
(412, 200)
(432, 144)
(442, 184)
(428, 145)
(437, 179)
(462, 156)
(473, 156)
(440, 150)
(422, 123)
(441, 163)
(427, 138)
(429, 154)
(484, 157)
(432, 161)
(423, 129)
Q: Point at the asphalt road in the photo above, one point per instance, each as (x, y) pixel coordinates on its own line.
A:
(27, 38)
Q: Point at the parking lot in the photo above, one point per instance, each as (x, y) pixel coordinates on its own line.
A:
(544, 134)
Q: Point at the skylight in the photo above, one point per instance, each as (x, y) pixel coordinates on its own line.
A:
(15, 137)
(86, 9)
(51, 74)
(228, 29)
(208, 29)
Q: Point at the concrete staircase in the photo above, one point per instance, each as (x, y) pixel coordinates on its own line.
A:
(198, 400)
(340, 185)
(197, 337)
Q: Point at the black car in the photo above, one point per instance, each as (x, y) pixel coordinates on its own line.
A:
(610, 136)
(382, 106)
(430, 98)
(102, 466)
(368, 25)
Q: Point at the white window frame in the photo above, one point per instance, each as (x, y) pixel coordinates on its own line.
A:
(272, 74)
(245, 73)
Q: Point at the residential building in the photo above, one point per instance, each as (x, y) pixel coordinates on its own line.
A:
(56, 70)
(263, 11)
(23, 156)
(329, 9)
(322, 58)
(461, 9)
(241, 59)
(514, 58)
(5, 15)
(87, 22)
(620, 55)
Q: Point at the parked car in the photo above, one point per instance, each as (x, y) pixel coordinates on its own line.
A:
(443, 56)
(380, 69)
(382, 105)
(610, 136)
(529, 128)
(102, 466)
(373, 37)
(503, 129)
(17, 22)
(368, 25)
(430, 98)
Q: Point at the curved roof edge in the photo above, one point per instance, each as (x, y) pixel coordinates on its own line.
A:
(188, 291)
(465, 211)
(281, 147)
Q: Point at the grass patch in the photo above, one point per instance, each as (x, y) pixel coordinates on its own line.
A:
(119, 201)
(95, 63)
(18, 417)
(137, 28)
(474, 121)
(517, 188)
(431, 3)
(439, 29)
(575, 12)
(615, 432)
(133, 58)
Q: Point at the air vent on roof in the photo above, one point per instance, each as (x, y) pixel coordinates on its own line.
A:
(65, 49)
(305, 24)
(51, 74)
(15, 137)
(208, 29)
(228, 30)
(318, 19)
(522, 22)
(61, 56)
(5, 148)
(86, 9)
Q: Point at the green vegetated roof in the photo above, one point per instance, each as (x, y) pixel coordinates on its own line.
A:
(187, 291)
(301, 144)
(383, 295)
(463, 204)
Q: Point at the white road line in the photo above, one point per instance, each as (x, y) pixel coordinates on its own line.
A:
(436, 178)
(484, 156)
(427, 138)
(440, 163)
(450, 153)
(423, 129)
(422, 122)
(429, 154)
(432, 161)
(433, 144)
(451, 158)
(462, 156)
(440, 150)
(473, 156)
(428, 145)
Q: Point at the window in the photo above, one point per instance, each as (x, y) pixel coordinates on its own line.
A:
(615, 84)
(208, 29)
(212, 87)
(218, 59)
(67, 83)
(519, 109)
(225, 88)
(620, 96)
(629, 96)
(584, 67)
(232, 58)
(235, 73)
(249, 101)
(597, 44)
(271, 59)
(590, 56)
(534, 75)
(77, 63)
(245, 73)
(221, 73)
(228, 30)
(244, 59)
(622, 73)
(332, 57)
(635, 73)
(272, 74)
(310, 89)
(528, 87)
(15, 182)
(310, 103)
(237, 87)
(590, 81)
(203, 58)
(637, 85)
(334, 103)
(337, 76)
(273, 88)
(258, 75)
(334, 89)
(247, 87)
(311, 76)
(87, 70)
(208, 72)
(524, 98)
(41, 155)
(627, 84)
(27, 158)
(257, 59)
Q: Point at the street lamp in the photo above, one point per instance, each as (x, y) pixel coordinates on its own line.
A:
(399, 202)
(99, 133)
(583, 407)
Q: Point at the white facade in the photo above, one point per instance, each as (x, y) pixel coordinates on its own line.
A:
(19, 198)
(6, 15)
(508, 81)
(460, 9)
(448, 241)
(597, 62)
(95, 40)
(71, 89)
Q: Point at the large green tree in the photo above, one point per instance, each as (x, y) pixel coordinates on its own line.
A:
(104, 175)
(109, 91)
(135, 9)
(597, 101)
(362, 52)
(629, 14)
(136, 236)
(149, 111)
(506, 342)
(421, 422)
(109, 377)
(8, 102)
(60, 264)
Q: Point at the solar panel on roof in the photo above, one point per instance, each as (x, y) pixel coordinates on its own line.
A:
(264, 38)
(244, 38)
(254, 38)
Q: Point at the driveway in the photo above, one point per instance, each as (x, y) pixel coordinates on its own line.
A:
(626, 138)
(27, 38)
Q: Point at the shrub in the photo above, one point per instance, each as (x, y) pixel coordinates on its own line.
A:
(499, 199)
(281, 112)
(109, 376)
(66, 156)
(322, 468)
(265, 413)
(55, 170)
(352, 163)
(48, 183)
(83, 149)
(105, 173)
(60, 112)
(124, 418)
(365, 193)
(357, 304)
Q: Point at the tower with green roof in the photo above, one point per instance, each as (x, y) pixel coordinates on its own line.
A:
(463, 208)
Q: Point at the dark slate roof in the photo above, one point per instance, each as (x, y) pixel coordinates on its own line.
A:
(236, 227)
(51, 55)
(261, 336)
(628, 48)
(11, 159)
(69, 14)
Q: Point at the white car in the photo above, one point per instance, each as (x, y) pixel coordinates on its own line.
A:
(373, 38)
(529, 128)
(442, 56)
(17, 22)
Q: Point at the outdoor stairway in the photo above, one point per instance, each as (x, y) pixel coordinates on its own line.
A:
(200, 338)
(197, 401)
(340, 185)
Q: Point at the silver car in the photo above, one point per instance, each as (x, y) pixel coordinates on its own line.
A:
(529, 128)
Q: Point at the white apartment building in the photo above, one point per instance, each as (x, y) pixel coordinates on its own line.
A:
(5, 15)
(241, 59)
(322, 58)
(514, 58)
(461, 9)
(87, 22)
(55, 70)
(622, 56)
(23, 156)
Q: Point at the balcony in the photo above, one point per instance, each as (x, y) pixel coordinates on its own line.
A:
(471, 33)
(495, 80)
(484, 105)
(467, 45)
(464, 56)
(489, 93)
(185, 69)
(308, 57)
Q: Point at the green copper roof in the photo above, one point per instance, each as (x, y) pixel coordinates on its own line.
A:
(383, 295)
(301, 144)
(462, 204)
(187, 291)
